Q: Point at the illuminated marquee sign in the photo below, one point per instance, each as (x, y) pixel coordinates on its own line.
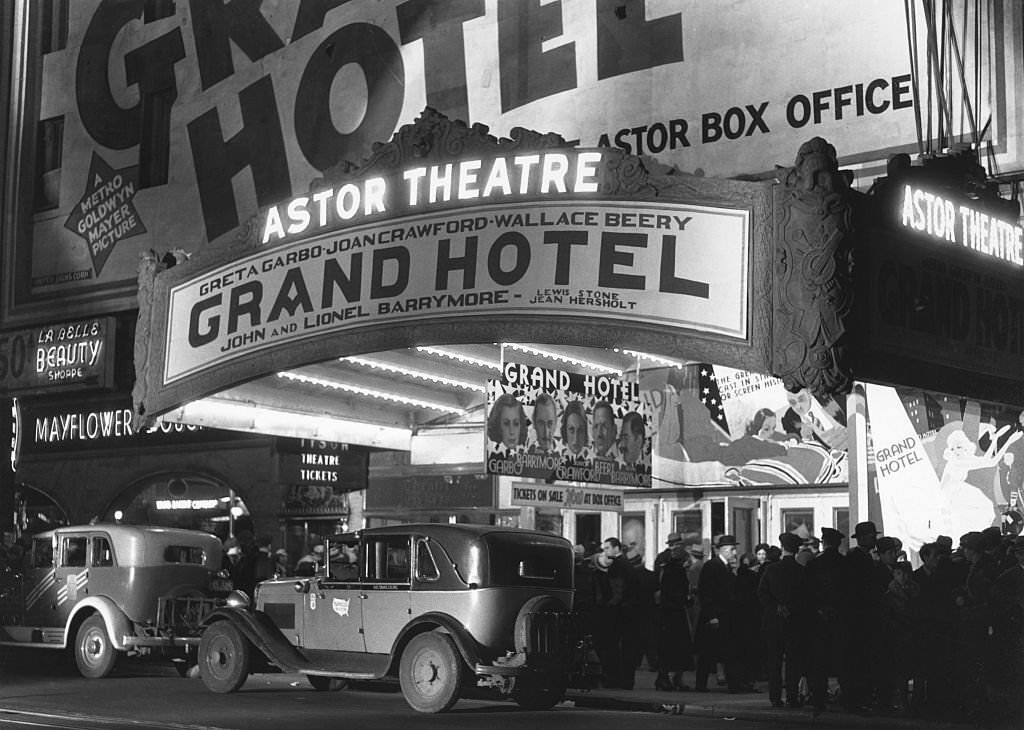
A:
(953, 221)
(658, 263)
(58, 356)
(496, 179)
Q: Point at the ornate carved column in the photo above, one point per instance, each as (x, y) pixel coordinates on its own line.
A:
(812, 266)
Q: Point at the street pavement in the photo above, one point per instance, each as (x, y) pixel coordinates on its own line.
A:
(717, 703)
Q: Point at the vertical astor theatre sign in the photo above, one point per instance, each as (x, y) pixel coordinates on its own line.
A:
(447, 234)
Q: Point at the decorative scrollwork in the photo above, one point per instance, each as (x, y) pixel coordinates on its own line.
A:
(813, 269)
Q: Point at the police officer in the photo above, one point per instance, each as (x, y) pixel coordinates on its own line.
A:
(781, 594)
(824, 581)
(863, 594)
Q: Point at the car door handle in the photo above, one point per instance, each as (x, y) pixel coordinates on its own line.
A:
(363, 595)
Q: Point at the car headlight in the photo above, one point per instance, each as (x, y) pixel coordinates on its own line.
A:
(238, 599)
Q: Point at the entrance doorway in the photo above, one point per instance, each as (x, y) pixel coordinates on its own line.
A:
(588, 531)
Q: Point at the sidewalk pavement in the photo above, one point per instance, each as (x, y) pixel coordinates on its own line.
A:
(719, 704)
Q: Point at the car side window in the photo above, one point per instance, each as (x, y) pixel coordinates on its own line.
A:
(388, 559)
(42, 553)
(426, 568)
(73, 552)
(102, 555)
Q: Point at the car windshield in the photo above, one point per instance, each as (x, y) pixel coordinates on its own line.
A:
(514, 562)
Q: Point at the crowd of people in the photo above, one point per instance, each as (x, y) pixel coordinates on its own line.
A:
(859, 628)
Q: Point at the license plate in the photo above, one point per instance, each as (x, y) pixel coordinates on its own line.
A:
(220, 585)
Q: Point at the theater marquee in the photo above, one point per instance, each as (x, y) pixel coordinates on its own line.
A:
(662, 264)
(505, 234)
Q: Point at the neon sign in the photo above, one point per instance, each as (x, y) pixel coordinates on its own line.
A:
(952, 221)
(70, 354)
(500, 178)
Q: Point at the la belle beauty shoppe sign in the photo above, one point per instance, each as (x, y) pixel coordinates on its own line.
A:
(527, 233)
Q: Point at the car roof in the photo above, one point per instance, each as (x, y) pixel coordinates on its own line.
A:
(119, 529)
(143, 544)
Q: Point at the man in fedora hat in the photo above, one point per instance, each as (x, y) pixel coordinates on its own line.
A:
(781, 594)
(675, 650)
(862, 587)
(824, 577)
(714, 640)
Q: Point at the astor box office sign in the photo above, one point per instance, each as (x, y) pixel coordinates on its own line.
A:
(175, 120)
(505, 234)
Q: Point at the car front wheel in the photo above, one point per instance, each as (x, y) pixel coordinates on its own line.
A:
(224, 656)
(431, 672)
(95, 656)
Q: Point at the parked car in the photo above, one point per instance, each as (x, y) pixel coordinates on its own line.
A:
(441, 607)
(107, 590)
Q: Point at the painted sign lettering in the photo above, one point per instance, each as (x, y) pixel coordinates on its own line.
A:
(210, 112)
(659, 263)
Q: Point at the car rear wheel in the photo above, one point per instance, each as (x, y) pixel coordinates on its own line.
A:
(224, 656)
(431, 672)
(95, 656)
(327, 684)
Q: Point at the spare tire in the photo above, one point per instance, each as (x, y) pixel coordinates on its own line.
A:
(537, 604)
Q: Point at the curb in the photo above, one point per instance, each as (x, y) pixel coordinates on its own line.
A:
(724, 712)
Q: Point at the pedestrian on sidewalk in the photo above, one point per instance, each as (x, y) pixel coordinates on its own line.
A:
(675, 650)
(714, 639)
(781, 593)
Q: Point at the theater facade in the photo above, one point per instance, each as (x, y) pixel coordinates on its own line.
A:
(514, 264)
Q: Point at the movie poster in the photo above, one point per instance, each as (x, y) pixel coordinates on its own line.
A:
(560, 426)
(944, 465)
(719, 425)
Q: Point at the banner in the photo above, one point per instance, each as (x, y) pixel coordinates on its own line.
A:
(567, 427)
(562, 497)
(657, 263)
(719, 425)
(178, 124)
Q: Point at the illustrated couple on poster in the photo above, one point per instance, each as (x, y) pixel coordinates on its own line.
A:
(747, 431)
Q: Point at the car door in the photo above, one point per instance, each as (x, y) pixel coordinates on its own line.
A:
(57, 581)
(387, 606)
(332, 615)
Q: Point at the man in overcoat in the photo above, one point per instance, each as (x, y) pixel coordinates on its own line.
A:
(827, 617)
(783, 610)
(716, 589)
(863, 594)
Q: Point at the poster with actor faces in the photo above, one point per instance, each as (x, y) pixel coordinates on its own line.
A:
(555, 425)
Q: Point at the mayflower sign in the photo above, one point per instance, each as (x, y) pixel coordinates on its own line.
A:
(514, 231)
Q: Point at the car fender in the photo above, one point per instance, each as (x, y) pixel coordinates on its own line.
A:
(262, 633)
(464, 641)
(117, 623)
